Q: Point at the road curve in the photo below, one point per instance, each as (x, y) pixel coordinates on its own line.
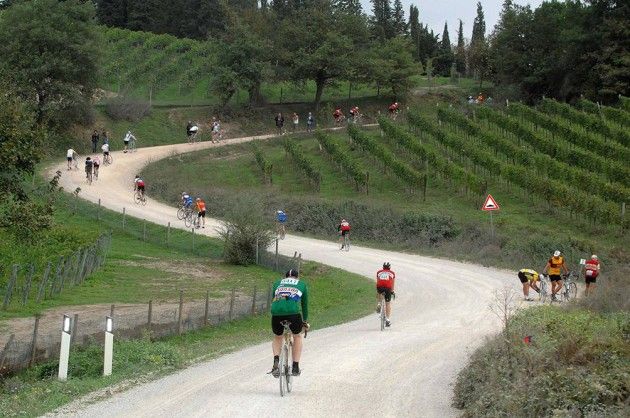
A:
(440, 314)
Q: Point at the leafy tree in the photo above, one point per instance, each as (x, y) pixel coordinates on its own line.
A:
(460, 51)
(382, 20)
(352, 7)
(398, 18)
(395, 65)
(415, 29)
(445, 57)
(112, 12)
(49, 52)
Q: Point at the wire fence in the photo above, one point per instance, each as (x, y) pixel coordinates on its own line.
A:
(30, 282)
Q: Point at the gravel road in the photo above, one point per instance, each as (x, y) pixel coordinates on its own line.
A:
(440, 315)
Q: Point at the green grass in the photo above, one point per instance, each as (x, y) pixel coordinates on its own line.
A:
(519, 224)
(576, 365)
(336, 297)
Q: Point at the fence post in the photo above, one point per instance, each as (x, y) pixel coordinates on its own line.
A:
(98, 210)
(111, 311)
(34, 341)
(276, 262)
(42, 286)
(10, 285)
(144, 230)
(3, 355)
(75, 324)
(179, 316)
(124, 213)
(149, 319)
(193, 240)
(168, 234)
(232, 303)
(254, 302)
(205, 312)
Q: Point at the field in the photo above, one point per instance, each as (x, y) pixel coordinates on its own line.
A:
(543, 177)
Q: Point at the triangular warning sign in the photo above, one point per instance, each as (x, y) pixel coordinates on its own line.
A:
(490, 204)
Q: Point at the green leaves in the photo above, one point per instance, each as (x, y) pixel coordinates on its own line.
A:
(343, 159)
(303, 162)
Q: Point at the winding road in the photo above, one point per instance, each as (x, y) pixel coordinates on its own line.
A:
(440, 315)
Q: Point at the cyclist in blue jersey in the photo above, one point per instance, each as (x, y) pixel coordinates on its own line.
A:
(281, 219)
(187, 200)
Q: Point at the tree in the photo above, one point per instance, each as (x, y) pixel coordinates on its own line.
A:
(478, 52)
(351, 7)
(395, 65)
(414, 30)
(382, 20)
(398, 18)
(49, 52)
(460, 51)
(112, 13)
(445, 58)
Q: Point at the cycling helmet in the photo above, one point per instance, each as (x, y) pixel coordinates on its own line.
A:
(556, 253)
(292, 273)
(184, 193)
(386, 265)
(198, 199)
(594, 257)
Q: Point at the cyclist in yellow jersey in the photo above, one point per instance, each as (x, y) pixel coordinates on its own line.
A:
(529, 278)
(555, 266)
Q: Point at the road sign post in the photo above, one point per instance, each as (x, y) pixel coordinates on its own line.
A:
(64, 351)
(490, 205)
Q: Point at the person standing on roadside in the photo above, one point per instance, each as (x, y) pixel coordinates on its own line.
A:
(279, 123)
(591, 271)
(95, 139)
(310, 122)
(296, 121)
(105, 138)
(555, 266)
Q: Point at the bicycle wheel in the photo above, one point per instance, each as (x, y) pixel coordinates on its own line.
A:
(189, 220)
(88, 178)
(282, 366)
(137, 197)
(347, 242)
(288, 370)
(181, 213)
(382, 314)
(571, 291)
(110, 159)
(143, 199)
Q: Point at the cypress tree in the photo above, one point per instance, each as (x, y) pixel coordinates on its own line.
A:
(460, 50)
(398, 18)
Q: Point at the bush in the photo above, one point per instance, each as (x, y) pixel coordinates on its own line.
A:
(576, 365)
(122, 108)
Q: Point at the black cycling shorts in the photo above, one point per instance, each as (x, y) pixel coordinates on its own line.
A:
(69, 158)
(388, 293)
(201, 214)
(344, 233)
(141, 188)
(555, 277)
(296, 323)
(522, 277)
(591, 279)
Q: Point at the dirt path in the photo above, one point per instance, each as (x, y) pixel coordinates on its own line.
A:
(354, 369)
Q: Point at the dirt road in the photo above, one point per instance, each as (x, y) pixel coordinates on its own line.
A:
(440, 314)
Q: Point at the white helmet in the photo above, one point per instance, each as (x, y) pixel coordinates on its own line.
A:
(594, 257)
(556, 253)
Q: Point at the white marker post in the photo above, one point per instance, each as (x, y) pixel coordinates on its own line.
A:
(64, 352)
(109, 346)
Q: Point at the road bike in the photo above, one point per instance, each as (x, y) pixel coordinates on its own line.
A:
(96, 172)
(339, 120)
(345, 242)
(281, 231)
(544, 286)
(140, 198)
(132, 146)
(108, 159)
(382, 314)
(88, 176)
(190, 218)
(569, 287)
(357, 119)
(286, 355)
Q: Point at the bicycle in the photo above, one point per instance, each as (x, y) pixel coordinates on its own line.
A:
(345, 242)
(182, 212)
(190, 219)
(108, 159)
(281, 230)
(381, 315)
(132, 146)
(139, 198)
(88, 176)
(339, 120)
(96, 172)
(286, 355)
(569, 288)
(544, 286)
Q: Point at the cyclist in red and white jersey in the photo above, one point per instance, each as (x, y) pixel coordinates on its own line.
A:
(338, 115)
(138, 184)
(385, 285)
(344, 229)
(591, 271)
(394, 108)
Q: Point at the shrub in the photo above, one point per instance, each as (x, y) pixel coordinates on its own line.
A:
(122, 108)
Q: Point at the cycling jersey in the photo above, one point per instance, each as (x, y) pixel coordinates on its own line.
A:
(129, 137)
(88, 164)
(201, 206)
(529, 274)
(393, 107)
(344, 226)
(187, 201)
(139, 182)
(289, 295)
(338, 113)
(105, 148)
(281, 217)
(385, 278)
(592, 268)
(70, 153)
(555, 265)
(97, 161)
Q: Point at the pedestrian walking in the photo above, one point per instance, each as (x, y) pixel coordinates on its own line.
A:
(310, 122)
(95, 139)
(296, 121)
(280, 123)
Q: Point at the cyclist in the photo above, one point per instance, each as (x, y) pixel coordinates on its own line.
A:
(191, 131)
(529, 278)
(553, 268)
(591, 271)
(70, 156)
(187, 200)
(200, 205)
(105, 149)
(96, 162)
(89, 165)
(128, 137)
(385, 285)
(216, 133)
(290, 295)
(281, 219)
(354, 113)
(310, 122)
(338, 115)
(344, 229)
(296, 121)
(279, 119)
(138, 184)
(394, 108)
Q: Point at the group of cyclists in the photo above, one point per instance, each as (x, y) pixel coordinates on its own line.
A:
(198, 205)
(355, 114)
(216, 133)
(556, 270)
